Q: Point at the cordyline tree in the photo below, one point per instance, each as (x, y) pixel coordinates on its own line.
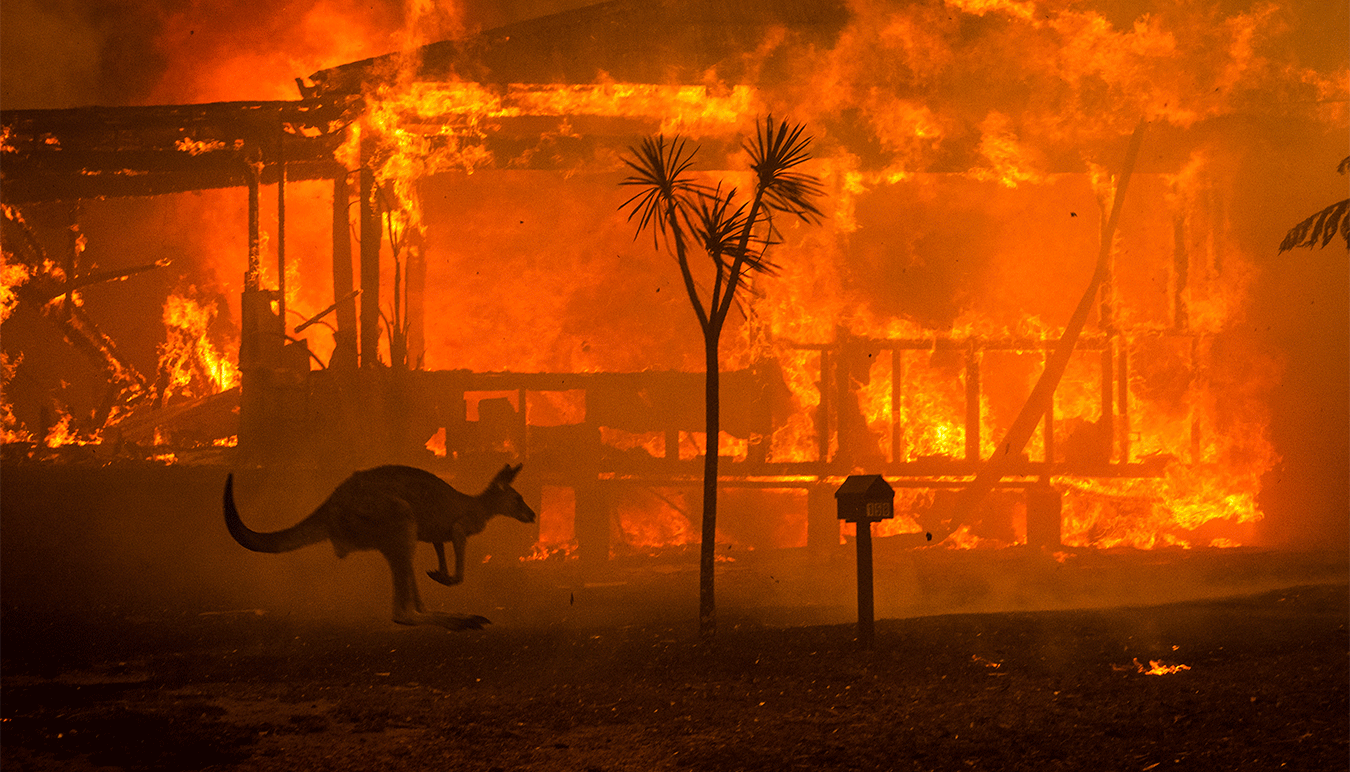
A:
(735, 236)
(1321, 228)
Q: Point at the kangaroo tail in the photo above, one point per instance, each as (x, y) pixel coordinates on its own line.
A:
(308, 531)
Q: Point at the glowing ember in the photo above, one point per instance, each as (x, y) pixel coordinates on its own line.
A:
(1155, 667)
(437, 443)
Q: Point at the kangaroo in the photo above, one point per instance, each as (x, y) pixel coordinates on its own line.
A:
(390, 509)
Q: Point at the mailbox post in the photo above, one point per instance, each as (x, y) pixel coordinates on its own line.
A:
(865, 499)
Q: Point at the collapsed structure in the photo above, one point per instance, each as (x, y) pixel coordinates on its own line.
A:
(876, 350)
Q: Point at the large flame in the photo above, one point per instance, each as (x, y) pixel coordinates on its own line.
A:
(189, 363)
(967, 213)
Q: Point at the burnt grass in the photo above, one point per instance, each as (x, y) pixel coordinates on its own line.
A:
(1266, 688)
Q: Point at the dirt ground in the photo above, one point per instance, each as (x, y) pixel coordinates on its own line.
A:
(1264, 686)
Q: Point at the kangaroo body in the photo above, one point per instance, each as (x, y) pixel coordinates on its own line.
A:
(389, 509)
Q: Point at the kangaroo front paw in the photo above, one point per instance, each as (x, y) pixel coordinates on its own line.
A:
(444, 578)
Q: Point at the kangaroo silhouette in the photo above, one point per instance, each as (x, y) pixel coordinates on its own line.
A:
(390, 509)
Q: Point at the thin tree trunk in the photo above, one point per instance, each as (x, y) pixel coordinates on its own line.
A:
(707, 623)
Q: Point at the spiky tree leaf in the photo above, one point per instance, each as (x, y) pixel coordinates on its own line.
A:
(774, 153)
(665, 188)
(1323, 226)
(718, 223)
(1320, 229)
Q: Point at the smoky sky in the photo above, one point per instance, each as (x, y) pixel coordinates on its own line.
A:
(77, 53)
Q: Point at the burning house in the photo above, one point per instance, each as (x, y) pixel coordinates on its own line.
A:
(420, 258)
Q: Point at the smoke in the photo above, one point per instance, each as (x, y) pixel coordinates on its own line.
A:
(77, 53)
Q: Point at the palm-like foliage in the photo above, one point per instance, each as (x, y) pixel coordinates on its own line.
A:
(665, 189)
(1321, 228)
(736, 237)
(773, 156)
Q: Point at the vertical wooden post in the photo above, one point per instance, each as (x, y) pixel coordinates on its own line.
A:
(866, 625)
(252, 280)
(344, 355)
(1194, 390)
(370, 260)
(281, 240)
(1049, 429)
(973, 403)
(415, 313)
(1123, 399)
(823, 409)
(1181, 270)
(1108, 431)
(897, 403)
(845, 359)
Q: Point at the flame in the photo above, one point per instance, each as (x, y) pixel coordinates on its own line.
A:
(1008, 160)
(1159, 667)
(557, 526)
(12, 276)
(189, 363)
(653, 519)
(952, 176)
(962, 539)
(63, 434)
(653, 443)
(198, 147)
(437, 443)
(10, 428)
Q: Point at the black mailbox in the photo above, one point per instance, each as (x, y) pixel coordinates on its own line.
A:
(865, 498)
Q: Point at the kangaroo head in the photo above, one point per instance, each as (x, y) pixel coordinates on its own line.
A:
(505, 499)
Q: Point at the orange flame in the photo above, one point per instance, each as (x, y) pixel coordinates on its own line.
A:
(188, 361)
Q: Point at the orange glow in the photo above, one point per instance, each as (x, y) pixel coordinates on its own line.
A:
(557, 526)
(694, 444)
(12, 276)
(969, 213)
(437, 443)
(64, 434)
(10, 429)
(653, 443)
(651, 519)
(194, 366)
(1159, 667)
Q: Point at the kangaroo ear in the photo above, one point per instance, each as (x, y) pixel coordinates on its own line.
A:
(507, 474)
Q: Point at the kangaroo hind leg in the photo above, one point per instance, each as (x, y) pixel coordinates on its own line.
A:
(408, 608)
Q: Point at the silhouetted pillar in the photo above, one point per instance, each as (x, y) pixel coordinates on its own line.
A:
(344, 354)
(417, 282)
(370, 260)
(1044, 517)
(973, 403)
(253, 175)
(1108, 409)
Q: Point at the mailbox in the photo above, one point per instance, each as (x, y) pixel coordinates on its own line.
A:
(865, 498)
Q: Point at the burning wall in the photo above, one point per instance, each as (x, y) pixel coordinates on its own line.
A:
(967, 149)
